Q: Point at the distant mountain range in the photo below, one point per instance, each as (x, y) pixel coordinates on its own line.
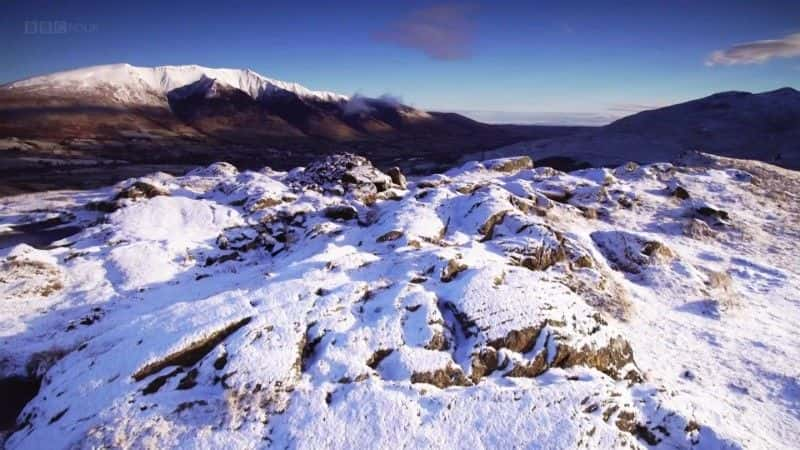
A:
(182, 114)
(193, 101)
(68, 128)
(764, 127)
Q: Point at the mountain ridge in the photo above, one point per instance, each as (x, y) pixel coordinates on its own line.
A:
(163, 79)
(183, 116)
(759, 126)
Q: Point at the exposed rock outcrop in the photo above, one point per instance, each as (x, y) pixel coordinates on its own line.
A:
(629, 252)
(29, 273)
(342, 212)
(141, 190)
(509, 164)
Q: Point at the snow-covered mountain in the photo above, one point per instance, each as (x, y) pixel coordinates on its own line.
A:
(496, 305)
(184, 115)
(213, 101)
(150, 85)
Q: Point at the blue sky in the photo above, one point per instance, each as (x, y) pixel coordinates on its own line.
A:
(498, 61)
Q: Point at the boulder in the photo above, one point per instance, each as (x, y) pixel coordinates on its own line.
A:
(614, 359)
(390, 236)
(676, 190)
(397, 177)
(487, 229)
(629, 252)
(657, 252)
(452, 269)
(484, 362)
(529, 244)
(509, 164)
(345, 170)
(264, 203)
(709, 213)
(697, 229)
(141, 189)
(340, 212)
(450, 375)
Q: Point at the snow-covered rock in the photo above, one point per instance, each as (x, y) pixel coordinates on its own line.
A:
(496, 305)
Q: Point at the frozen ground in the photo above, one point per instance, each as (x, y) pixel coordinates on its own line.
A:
(494, 306)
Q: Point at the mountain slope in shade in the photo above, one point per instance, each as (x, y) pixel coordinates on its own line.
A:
(763, 127)
(237, 105)
(193, 115)
(179, 114)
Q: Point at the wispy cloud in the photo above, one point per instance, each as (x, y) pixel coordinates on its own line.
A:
(358, 104)
(444, 32)
(757, 52)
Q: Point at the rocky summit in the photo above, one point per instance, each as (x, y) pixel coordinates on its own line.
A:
(337, 306)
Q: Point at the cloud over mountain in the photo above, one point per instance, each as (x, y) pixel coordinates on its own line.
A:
(757, 52)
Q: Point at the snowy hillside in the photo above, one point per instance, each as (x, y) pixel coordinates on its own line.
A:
(335, 306)
(144, 85)
(763, 126)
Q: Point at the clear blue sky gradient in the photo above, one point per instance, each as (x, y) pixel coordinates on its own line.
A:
(578, 59)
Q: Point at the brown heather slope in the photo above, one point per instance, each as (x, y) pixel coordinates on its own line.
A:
(55, 138)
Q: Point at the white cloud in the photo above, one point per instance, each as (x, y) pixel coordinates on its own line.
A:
(359, 104)
(757, 52)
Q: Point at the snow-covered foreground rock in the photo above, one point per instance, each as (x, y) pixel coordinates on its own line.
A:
(495, 306)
